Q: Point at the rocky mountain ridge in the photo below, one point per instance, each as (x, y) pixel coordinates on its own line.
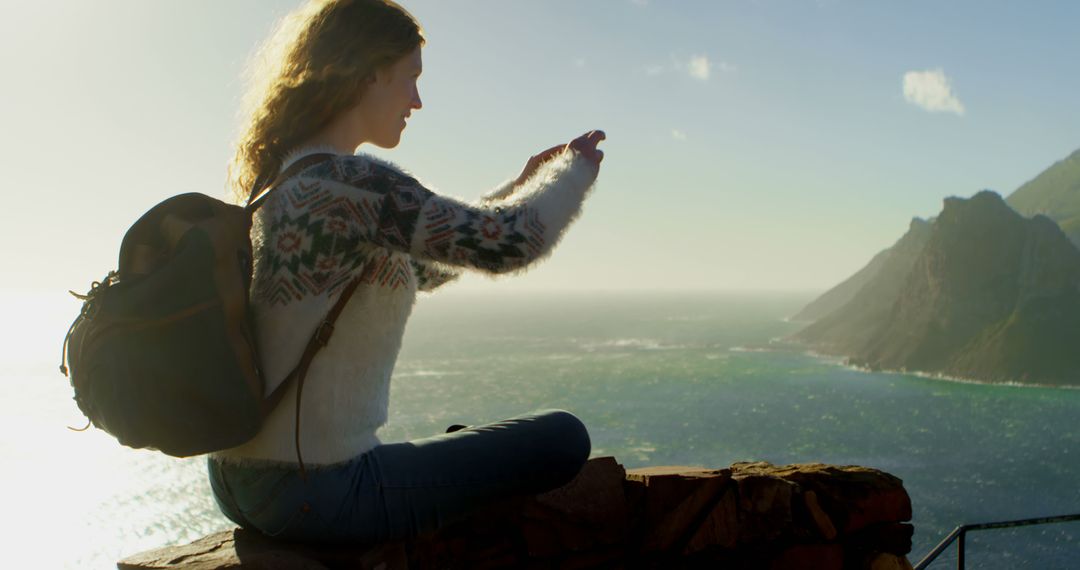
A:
(990, 295)
(885, 271)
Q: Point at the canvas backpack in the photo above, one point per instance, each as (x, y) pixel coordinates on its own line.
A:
(162, 353)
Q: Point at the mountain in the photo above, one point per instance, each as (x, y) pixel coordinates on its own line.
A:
(887, 268)
(1055, 193)
(991, 295)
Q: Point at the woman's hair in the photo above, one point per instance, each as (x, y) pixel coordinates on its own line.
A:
(314, 67)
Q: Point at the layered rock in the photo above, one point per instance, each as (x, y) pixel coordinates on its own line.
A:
(990, 296)
(751, 515)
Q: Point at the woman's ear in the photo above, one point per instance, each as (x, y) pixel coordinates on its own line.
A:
(364, 85)
(383, 74)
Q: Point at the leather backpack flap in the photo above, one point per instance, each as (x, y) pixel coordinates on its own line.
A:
(150, 241)
(166, 357)
(228, 231)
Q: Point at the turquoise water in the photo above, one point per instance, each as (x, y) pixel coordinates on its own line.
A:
(658, 378)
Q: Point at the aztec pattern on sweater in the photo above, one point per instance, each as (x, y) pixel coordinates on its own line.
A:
(319, 224)
(356, 216)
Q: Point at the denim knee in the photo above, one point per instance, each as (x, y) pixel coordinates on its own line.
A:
(568, 443)
(224, 499)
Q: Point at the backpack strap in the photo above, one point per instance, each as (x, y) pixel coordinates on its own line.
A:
(322, 333)
(318, 340)
(257, 199)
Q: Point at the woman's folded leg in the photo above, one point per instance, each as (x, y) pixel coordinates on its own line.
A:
(426, 483)
(399, 490)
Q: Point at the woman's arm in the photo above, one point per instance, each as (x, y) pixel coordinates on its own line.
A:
(317, 224)
(498, 237)
(431, 275)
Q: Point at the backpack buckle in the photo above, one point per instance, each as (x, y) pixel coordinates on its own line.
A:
(323, 333)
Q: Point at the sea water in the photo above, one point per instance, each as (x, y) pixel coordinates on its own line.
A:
(658, 378)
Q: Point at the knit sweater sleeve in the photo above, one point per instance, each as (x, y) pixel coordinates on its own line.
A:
(382, 205)
(501, 193)
(431, 275)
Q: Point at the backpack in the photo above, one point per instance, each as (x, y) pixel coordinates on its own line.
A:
(162, 354)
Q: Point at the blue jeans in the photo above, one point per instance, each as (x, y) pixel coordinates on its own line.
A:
(399, 490)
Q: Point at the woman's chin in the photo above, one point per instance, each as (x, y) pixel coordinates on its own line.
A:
(387, 142)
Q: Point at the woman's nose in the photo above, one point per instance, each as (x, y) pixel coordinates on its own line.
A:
(416, 103)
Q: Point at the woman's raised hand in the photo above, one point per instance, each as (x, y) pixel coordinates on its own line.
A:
(585, 144)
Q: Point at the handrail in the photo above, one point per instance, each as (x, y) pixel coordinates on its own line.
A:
(962, 530)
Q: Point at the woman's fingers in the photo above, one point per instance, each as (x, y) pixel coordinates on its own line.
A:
(586, 145)
(588, 140)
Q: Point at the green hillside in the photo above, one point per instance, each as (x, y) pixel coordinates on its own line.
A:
(1055, 193)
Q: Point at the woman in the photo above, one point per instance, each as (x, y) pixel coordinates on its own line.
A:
(341, 73)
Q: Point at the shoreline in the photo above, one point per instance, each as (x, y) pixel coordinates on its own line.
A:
(843, 361)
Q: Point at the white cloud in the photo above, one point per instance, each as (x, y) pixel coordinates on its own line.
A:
(678, 135)
(579, 62)
(932, 91)
(698, 67)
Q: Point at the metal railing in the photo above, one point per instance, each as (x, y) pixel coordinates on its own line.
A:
(960, 532)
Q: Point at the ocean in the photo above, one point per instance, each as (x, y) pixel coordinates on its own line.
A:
(658, 378)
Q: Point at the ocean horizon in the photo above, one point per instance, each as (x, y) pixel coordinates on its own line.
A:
(679, 378)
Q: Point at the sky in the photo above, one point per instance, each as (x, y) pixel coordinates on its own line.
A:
(757, 145)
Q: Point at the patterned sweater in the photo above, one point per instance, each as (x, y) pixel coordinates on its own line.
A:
(359, 216)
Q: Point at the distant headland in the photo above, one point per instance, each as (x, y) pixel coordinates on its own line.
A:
(988, 290)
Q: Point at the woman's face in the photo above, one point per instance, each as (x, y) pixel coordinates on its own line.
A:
(389, 100)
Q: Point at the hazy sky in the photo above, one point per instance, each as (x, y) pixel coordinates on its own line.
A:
(751, 145)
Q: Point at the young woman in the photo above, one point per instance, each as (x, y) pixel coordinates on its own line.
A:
(337, 75)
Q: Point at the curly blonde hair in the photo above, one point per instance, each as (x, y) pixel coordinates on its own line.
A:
(315, 66)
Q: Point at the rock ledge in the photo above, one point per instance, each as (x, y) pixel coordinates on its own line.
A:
(751, 515)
